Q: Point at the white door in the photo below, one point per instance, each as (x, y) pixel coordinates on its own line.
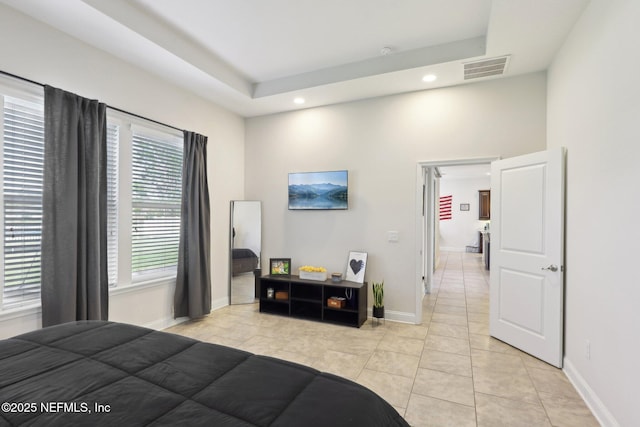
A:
(527, 253)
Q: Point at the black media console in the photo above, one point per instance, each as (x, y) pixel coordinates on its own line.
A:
(307, 299)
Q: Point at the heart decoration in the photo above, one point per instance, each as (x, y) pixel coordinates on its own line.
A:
(356, 266)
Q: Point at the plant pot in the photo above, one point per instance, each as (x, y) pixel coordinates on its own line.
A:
(378, 312)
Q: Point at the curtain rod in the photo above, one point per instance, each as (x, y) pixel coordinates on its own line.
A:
(24, 79)
(144, 118)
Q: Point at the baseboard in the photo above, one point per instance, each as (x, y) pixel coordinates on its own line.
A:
(217, 304)
(599, 410)
(397, 316)
(168, 322)
(165, 323)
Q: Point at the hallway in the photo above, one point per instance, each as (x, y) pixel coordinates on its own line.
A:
(464, 366)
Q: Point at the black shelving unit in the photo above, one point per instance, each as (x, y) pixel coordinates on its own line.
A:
(307, 299)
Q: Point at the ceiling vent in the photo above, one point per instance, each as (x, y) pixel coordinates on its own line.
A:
(485, 67)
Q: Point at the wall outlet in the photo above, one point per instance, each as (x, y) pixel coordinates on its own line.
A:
(587, 350)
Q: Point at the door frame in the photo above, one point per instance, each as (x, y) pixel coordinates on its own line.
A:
(426, 221)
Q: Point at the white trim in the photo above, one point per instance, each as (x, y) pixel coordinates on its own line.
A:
(219, 303)
(397, 316)
(138, 286)
(17, 88)
(165, 323)
(143, 125)
(154, 275)
(593, 402)
(459, 162)
(154, 130)
(421, 206)
(17, 312)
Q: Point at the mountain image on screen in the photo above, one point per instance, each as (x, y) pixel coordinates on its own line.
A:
(318, 196)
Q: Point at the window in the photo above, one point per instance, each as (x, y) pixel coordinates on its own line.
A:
(144, 200)
(156, 200)
(144, 185)
(22, 125)
(113, 132)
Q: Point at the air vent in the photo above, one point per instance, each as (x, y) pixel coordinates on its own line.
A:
(485, 68)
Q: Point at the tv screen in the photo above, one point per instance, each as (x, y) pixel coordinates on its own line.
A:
(318, 190)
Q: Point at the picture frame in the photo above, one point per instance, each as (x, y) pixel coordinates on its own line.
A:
(280, 266)
(464, 206)
(356, 266)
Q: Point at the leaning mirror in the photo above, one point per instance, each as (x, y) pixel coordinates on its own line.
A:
(246, 240)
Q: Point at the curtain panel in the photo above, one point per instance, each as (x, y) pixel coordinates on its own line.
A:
(193, 281)
(74, 225)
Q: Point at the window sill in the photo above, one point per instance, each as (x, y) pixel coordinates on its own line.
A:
(134, 287)
(36, 308)
(22, 311)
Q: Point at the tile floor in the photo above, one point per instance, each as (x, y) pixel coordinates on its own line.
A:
(445, 372)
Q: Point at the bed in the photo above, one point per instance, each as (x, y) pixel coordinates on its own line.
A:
(244, 261)
(106, 373)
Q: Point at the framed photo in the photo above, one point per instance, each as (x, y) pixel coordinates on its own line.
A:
(464, 206)
(356, 265)
(280, 266)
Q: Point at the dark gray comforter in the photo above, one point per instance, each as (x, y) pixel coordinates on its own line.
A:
(104, 373)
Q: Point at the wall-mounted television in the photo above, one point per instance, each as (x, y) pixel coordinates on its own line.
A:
(318, 190)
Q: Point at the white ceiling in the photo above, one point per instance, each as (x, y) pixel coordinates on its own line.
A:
(255, 56)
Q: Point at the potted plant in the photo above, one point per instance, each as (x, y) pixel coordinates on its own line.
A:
(378, 300)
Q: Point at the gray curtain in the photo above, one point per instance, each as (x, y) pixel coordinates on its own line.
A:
(74, 223)
(193, 282)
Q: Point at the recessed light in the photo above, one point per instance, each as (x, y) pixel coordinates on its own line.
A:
(429, 78)
(299, 101)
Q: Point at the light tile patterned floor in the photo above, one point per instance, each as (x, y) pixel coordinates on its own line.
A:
(447, 371)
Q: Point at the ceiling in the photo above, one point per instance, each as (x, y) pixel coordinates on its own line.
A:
(255, 57)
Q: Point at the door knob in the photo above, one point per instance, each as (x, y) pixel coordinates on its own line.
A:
(551, 268)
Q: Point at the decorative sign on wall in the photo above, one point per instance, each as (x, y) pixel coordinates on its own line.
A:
(445, 207)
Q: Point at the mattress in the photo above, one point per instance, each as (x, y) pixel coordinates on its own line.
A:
(105, 373)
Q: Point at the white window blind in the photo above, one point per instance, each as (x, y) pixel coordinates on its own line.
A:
(113, 132)
(22, 164)
(156, 199)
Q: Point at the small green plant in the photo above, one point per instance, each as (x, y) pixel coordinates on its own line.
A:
(378, 294)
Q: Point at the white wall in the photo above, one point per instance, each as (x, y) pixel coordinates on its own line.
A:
(41, 53)
(380, 141)
(593, 110)
(462, 229)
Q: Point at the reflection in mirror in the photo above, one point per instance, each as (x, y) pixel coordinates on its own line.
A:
(246, 241)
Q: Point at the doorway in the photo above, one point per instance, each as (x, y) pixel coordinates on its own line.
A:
(428, 190)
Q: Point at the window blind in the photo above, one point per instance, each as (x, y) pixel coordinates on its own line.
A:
(156, 200)
(22, 161)
(113, 132)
